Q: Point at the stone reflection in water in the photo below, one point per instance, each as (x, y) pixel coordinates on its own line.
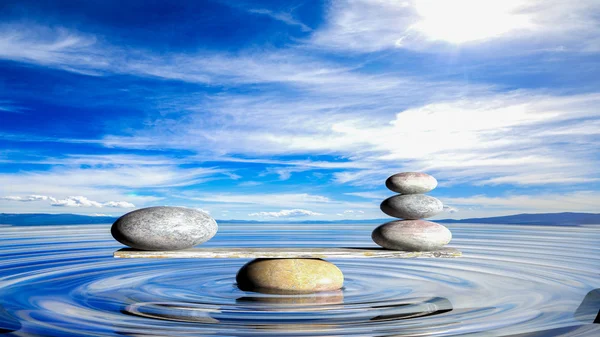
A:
(589, 309)
(330, 312)
(286, 301)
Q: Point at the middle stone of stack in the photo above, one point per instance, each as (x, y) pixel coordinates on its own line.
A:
(412, 205)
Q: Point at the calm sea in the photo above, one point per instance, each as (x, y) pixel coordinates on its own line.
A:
(511, 281)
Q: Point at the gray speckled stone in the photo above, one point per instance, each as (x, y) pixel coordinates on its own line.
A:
(411, 235)
(164, 228)
(411, 206)
(411, 183)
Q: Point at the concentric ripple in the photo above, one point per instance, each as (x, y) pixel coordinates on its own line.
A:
(511, 280)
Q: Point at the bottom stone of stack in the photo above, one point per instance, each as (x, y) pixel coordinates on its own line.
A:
(411, 235)
(289, 276)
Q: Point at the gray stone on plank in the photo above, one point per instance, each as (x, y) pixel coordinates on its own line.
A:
(411, 206)
(164, 228)
(411, 183)
(411, 235)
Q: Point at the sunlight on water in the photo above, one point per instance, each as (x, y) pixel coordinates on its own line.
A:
(511, 281)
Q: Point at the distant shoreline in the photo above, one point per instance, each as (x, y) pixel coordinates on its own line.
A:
(561, 219)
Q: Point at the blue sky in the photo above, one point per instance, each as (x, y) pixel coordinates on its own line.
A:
(278, 110)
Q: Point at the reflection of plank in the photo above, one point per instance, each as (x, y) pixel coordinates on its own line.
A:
(253, 253)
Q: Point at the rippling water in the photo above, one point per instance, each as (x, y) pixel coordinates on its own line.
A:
(511, 281)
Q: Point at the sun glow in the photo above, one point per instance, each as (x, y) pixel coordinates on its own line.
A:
(461, 21)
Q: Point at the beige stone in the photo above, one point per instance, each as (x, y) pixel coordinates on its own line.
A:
(289, 276)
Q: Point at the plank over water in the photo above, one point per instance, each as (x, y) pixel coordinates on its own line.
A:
(254, 253)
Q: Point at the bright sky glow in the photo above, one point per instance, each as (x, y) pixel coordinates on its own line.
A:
(461, 21)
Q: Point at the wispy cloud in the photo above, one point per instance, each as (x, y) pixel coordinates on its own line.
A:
(118, 204)
(249, 183)
(286, 213)
(274, 199)
(370, 195)
(284, 173)
(103, 182)
(284, 17)
(352, 213)
(450, 209)
(9, 106)
(71, 201)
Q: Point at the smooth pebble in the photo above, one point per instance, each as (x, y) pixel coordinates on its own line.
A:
(411, 206)
(164, 228)
(411, 183)
(282, 276)
(411, 235)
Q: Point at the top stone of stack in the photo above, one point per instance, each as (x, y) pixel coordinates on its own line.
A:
(411, 183)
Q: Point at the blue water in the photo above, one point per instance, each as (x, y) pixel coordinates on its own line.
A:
(511, 281)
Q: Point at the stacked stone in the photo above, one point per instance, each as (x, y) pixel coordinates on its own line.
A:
(412, 205)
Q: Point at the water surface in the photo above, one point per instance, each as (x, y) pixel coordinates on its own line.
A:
(511, 281)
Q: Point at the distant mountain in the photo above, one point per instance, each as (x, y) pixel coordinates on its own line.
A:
(564, 219)
(25, 219)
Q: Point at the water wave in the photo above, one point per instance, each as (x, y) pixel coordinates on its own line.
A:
(63, 281)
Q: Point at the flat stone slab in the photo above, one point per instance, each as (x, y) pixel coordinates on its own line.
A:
(289, 253)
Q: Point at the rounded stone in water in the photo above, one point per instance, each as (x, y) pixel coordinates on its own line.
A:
(411, 206)
(411, 183)
(289, 276)
(164, 228)
(411, 235)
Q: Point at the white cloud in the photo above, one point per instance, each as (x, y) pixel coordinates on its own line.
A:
(130, 180)
(284, 173)
(71, 201)
(503, 138)
(52, 47)
(75, 201)
(27, 198)
(450, 209)
(462, 21)
(374, 25)
(352, 213)
(118, 204)
(286, 213)
(103, 180)
(521, 137)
